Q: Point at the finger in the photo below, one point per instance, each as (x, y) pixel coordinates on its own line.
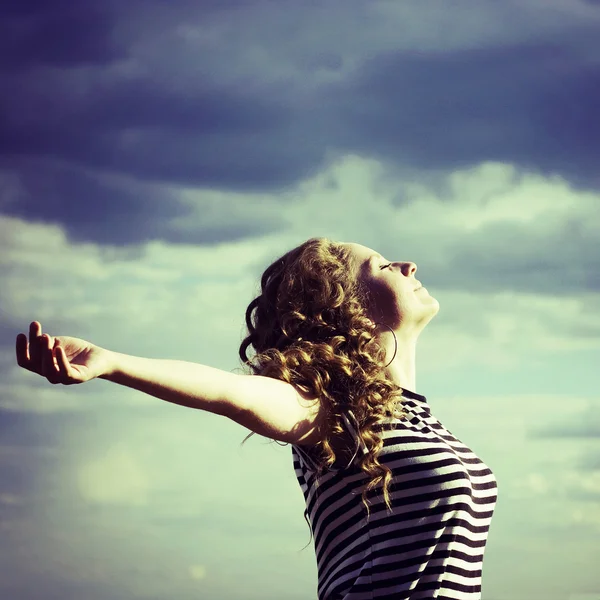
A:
(35, 330)
(22, 349)
(64, 368)
(49, 370)
(35, 346)
(51, 344)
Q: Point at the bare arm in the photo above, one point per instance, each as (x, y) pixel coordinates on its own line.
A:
(264, 405)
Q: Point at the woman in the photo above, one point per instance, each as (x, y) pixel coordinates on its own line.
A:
(399, 508)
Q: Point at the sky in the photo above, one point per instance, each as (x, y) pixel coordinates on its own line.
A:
(156, 157)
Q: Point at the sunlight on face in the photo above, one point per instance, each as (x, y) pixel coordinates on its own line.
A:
(398, 298)
(359, 256)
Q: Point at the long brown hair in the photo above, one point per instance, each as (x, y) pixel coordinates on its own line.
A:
(309, 327)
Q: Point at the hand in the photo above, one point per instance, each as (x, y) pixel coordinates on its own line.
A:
(61, 359)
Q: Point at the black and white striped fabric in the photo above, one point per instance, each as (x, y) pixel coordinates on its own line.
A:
(431, 545)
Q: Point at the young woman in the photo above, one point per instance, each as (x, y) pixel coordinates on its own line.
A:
(398, 506)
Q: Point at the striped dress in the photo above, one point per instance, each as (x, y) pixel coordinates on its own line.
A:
(431, 545)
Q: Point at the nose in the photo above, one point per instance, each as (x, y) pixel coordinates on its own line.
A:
(408, 268)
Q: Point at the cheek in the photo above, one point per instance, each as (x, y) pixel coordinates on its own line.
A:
(387, 301)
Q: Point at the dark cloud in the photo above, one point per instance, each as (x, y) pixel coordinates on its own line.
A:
(171, 117)
(532, 105)
(69, 117)
(89, 208)
(207, 136)
(58, 33)
(138, 104)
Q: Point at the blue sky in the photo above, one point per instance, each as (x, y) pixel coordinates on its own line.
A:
(156, 157)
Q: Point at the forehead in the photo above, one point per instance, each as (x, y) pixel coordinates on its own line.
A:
(360, 254)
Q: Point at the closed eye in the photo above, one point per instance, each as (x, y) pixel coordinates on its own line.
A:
(386, 266)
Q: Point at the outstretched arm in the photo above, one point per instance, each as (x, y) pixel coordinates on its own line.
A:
(267, 406)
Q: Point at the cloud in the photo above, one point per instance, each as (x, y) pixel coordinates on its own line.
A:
(479, 246)
(156, 157)
(488, 229)
(115, 478)
(34, 34)
(119, 211)
(228, 106)
(527, 104)
(90, 206)
(139, 481)
(197, 571)
(585, 425)
(186, 290)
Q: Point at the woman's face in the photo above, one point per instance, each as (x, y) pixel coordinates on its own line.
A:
(398, 300)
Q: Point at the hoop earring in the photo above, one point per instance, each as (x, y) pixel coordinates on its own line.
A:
(395, 342)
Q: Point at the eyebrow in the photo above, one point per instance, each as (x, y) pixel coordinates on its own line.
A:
(365, 264)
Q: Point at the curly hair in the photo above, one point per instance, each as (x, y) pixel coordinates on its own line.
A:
(309, 327)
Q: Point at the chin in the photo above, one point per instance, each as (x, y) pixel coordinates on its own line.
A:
(432, 309)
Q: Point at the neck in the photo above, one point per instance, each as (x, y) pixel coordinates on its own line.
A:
(402, 370)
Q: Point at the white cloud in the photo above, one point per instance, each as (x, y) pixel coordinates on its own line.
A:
(587, 515)
(188, 302)
(197, 572)
(114, 478)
